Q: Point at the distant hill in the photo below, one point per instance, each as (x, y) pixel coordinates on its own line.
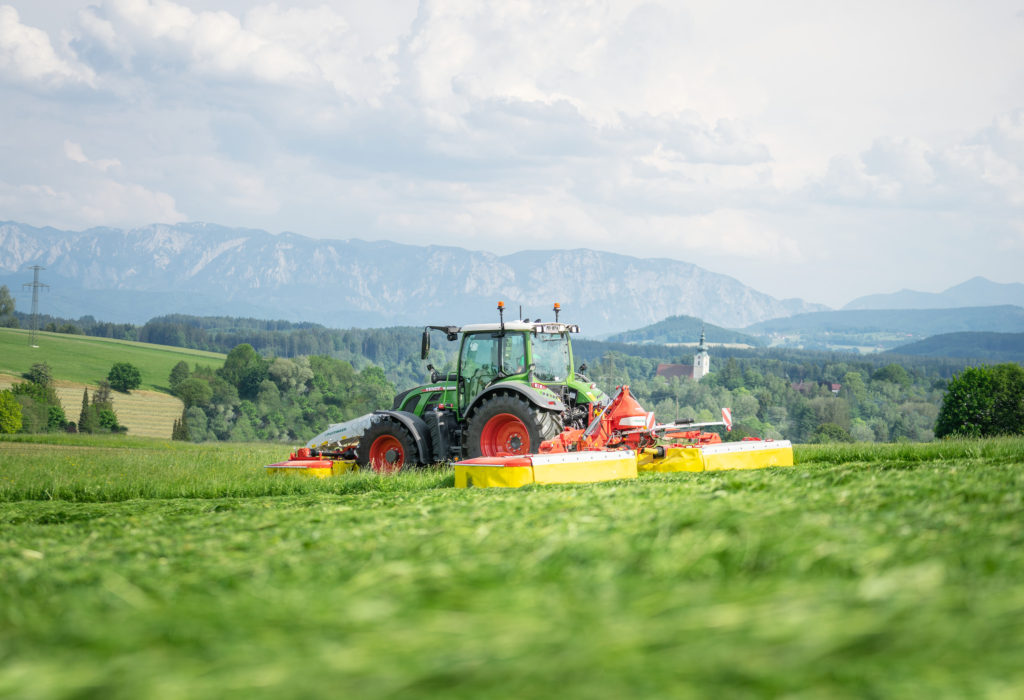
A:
(974, 292)
(684, 329)
(879, 330)
(210, 270)
(991, 347)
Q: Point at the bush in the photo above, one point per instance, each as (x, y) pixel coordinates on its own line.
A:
(10, 413)
(830, 432)
(983, 401)
(124, 376)
(41, 374)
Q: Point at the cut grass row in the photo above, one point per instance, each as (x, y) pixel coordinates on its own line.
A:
(893, 571)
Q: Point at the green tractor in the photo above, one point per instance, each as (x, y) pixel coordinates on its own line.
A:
(514, 388)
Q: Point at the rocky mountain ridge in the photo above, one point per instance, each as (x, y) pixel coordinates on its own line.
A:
(205, 269)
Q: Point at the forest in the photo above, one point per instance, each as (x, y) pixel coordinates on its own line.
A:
(286, 381)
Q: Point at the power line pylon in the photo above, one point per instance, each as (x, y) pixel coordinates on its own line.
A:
(35, 284)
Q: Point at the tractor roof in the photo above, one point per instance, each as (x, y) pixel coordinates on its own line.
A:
(519, 326)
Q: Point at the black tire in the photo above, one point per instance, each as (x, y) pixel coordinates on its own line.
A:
(540, 425)
(386, 447)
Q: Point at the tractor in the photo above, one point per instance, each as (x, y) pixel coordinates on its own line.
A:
(514, 387)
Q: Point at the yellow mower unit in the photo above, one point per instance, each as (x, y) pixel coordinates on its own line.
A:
(747, 454)
(567, 468)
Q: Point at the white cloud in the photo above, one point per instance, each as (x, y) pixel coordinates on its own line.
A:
(743, 134)
(984, 170)
(27, 56)
(310, 48)
(95, 202)
(74, 153)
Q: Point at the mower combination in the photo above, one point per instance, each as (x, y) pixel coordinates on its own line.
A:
(515, 412)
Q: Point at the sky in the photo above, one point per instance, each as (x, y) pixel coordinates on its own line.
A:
(815, 150)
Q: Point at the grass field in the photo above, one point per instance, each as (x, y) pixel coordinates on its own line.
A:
(86, 360)
(78, 362)
(144, 413)
(140, 568)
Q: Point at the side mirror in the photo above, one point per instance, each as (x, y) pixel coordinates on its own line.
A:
(425, 344)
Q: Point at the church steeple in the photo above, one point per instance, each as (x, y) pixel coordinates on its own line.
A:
(701, 359)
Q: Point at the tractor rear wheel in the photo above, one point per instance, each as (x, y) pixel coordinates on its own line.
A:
(508, 425)
(386, 447)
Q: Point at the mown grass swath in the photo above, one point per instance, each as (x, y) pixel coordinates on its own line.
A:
(883, 571)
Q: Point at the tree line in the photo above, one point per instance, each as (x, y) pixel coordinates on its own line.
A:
(254, 397)
(301, 376)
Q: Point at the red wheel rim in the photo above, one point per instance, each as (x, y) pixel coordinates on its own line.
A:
(387, 454)
(504, 434)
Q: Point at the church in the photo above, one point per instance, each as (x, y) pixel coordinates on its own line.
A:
(701, 364)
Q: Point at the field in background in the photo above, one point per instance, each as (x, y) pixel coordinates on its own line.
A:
(87, 360)
(144, 413)
(79, 362)
(145, 568)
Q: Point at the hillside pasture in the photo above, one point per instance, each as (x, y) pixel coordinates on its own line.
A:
(80, 362)
(87, 360)
(143, 412)
(145, 568)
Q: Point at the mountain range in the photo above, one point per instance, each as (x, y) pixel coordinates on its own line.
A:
(206, 269)
(976, 291)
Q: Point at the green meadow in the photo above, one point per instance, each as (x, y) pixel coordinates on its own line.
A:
(137, 568)
(87, 360)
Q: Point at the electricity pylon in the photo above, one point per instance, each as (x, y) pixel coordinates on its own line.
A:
(35, 284)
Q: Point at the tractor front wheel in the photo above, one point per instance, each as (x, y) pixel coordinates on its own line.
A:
(386, 447)
(506, 425)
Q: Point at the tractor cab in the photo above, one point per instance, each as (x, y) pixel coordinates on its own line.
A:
(533, 356)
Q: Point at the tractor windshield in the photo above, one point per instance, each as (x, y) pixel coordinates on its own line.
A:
(551, 357)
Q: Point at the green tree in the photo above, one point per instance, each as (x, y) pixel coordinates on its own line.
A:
(124, 376)
(55, 419)
(41, 374)
(245, 369)
(10, 412)
(180, 430)
(893, 373)
(88, 421)
(179, 373)
(7, 317)
(195, 392)
(983, 401)
(196, 424)
(102, 398)
(108, 421)
(830, 432)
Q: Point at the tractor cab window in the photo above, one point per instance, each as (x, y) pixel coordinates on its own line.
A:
(551, 357)
(489, 356)
(513, 355)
